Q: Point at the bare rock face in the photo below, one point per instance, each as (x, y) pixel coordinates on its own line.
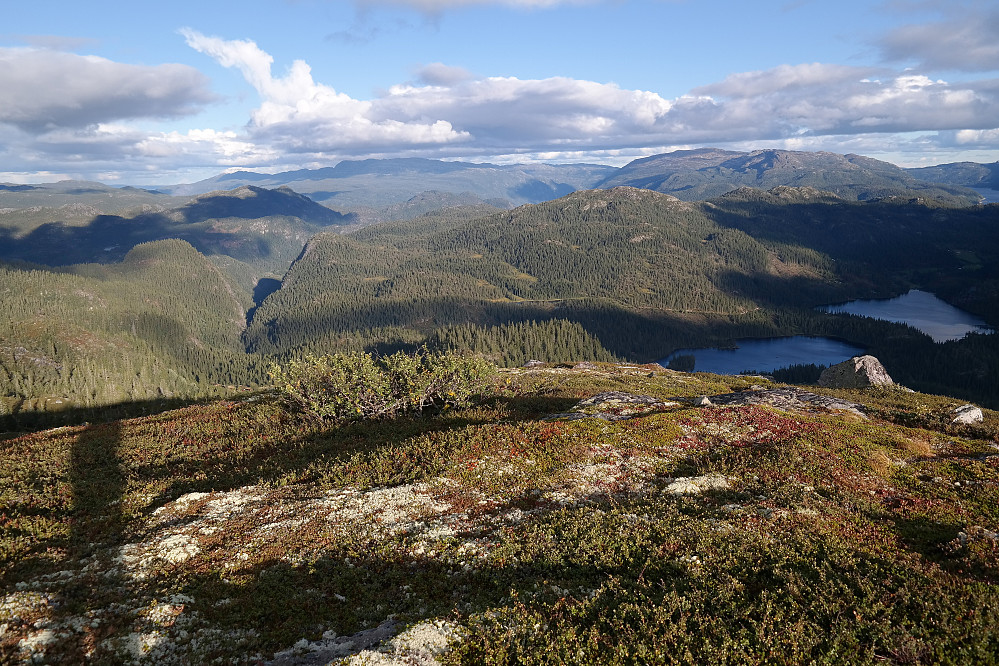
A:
(967, 414)
(857, 372)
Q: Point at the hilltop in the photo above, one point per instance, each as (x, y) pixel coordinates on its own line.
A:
(517, 530)
(966, 174)
(704, 173)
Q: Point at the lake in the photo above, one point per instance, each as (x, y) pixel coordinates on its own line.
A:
(991, 196)
(767, 354)
(919, 309)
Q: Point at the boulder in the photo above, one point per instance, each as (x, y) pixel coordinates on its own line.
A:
(534, 363)
(967, 414)
(857, 372)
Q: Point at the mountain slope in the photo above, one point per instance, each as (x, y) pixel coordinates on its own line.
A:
(707, 172)
(254, 225)
(964, 174)
(165, 321)
(646, 273)
(97, 197)
(237, 532)
(628, 247)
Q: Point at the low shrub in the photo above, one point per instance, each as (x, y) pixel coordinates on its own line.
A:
(355, 385)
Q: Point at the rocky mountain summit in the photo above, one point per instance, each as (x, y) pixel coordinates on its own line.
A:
(714, 517)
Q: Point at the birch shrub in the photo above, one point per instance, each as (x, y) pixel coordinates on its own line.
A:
(355, 385)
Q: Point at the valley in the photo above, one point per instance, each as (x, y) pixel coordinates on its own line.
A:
(257, 274)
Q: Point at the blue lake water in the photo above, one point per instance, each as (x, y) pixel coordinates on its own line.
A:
(919, 309)
(991, 196)
(767, 354)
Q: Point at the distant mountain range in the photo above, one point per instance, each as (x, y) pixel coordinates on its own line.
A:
(693, 175)
(366, 184)
(263, 220)
(369, 186)
(966, 174)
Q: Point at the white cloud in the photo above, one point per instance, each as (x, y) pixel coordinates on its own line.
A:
(787, 100)
(42, 89)
(302, 115)
(988, 138)
(784, 78)
(967, 40)
(456, 114)
(449, 112)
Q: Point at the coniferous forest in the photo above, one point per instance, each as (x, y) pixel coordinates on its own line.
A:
(203, 304)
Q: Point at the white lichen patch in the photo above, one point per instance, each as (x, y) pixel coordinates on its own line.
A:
(232, 527)
(695, 485)
(420, 645)
(172, 548)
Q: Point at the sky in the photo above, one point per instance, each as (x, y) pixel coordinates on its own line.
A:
(165, 93)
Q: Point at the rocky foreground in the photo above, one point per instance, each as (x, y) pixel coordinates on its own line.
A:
(590, 514)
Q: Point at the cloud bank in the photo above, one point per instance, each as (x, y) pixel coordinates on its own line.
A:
(450, 110)
(967, 40)
(41, 88)
(88, 113)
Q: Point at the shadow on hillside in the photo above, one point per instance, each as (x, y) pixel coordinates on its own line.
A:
(14, 425)
(640, 335)
(877, 237)
(98, 484)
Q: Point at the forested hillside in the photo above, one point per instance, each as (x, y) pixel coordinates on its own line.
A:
(164, 322)
(626, 274)
(646, 273)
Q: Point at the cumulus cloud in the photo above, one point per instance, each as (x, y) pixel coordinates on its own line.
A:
(447, 111)
(42, 89)
(966, 41)
(454, 113)
(819, 99)
(300, 114)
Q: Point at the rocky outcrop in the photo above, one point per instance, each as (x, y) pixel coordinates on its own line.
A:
(857, 372)
(967, 415)
(789, 398)
(619, 406)
(614, 406)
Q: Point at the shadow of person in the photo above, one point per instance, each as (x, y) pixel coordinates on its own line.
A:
(98, 483)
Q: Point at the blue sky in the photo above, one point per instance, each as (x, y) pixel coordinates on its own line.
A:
(155, 94)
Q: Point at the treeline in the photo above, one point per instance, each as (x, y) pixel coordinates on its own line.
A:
(556, 340)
